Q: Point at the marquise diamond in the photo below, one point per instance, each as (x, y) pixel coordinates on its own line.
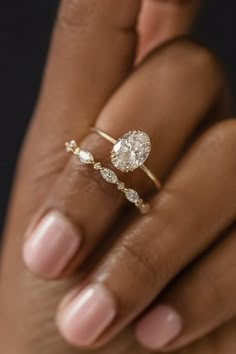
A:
(131, 151)
(109, 175)
(132, 195)
(85, 156)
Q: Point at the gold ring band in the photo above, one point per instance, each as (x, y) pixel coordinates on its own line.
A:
(108, 175)
(144, 168)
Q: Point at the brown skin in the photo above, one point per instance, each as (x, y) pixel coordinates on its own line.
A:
(180, 89)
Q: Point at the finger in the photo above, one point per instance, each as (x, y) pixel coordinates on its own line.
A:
(82, 72)
(188, 215)
(223, 339)
(201, 300)
(155, 92)
(162, 20)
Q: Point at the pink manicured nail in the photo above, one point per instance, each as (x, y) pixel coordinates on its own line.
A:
(51, 245)
(159, 327)
(87, 316)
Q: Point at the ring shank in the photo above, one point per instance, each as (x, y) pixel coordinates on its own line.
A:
(144, 168)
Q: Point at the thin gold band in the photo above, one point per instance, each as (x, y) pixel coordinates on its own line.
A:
(144, 168)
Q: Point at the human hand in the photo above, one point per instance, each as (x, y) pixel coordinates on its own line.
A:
(46, 117)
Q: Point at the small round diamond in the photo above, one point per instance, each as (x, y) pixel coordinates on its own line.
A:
(132, 195)
(120, 186)
(131, 151)
(139, 202)
(109, 175)
(144, 208)
(71, 146)
(97, 166)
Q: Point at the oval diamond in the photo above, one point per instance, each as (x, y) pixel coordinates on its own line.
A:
(85, 156)
(109, 175)
(132, 195)
(131, 151)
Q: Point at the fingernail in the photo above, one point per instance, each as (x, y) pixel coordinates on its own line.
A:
(159, 327)
(51, 245)
(87, 316)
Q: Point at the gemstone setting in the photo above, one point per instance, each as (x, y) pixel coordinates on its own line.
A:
(131, 151)
(109, 175)
(97, 166)
(85, 157)
(71, 146)
(132, 195)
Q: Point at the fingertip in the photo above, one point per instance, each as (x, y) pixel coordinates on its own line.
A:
(159, 327)
(51, 245)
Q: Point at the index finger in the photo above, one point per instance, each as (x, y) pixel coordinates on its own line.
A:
(92, 52)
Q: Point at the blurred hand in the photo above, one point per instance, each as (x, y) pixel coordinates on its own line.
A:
(178, 96)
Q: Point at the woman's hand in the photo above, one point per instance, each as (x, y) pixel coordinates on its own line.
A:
(176, 95)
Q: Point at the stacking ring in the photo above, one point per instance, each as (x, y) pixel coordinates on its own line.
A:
(108, 175)
(130, 152)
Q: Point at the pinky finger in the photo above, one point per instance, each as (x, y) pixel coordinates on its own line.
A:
(200, 301)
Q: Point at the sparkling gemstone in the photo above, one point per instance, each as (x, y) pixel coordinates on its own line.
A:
(109, 175)
(97, 166)
(71, 146)
(139, 202)
(131, 151)
(85, 156)
(132, 195)
(120, 186)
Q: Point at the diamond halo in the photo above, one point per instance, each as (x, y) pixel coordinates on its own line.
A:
(131, 150)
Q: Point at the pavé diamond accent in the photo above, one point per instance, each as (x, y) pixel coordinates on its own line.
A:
(131, 151)
(109, 175)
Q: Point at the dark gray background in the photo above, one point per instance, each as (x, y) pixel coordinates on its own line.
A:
(25, 28)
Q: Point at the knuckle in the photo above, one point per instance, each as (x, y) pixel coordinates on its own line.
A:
(197, 55)
(75, 13)
(223, 134)
(192, 60)
(141, 265)
(216, 295)
(80, 13)
(220, 142)
(145, 262)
